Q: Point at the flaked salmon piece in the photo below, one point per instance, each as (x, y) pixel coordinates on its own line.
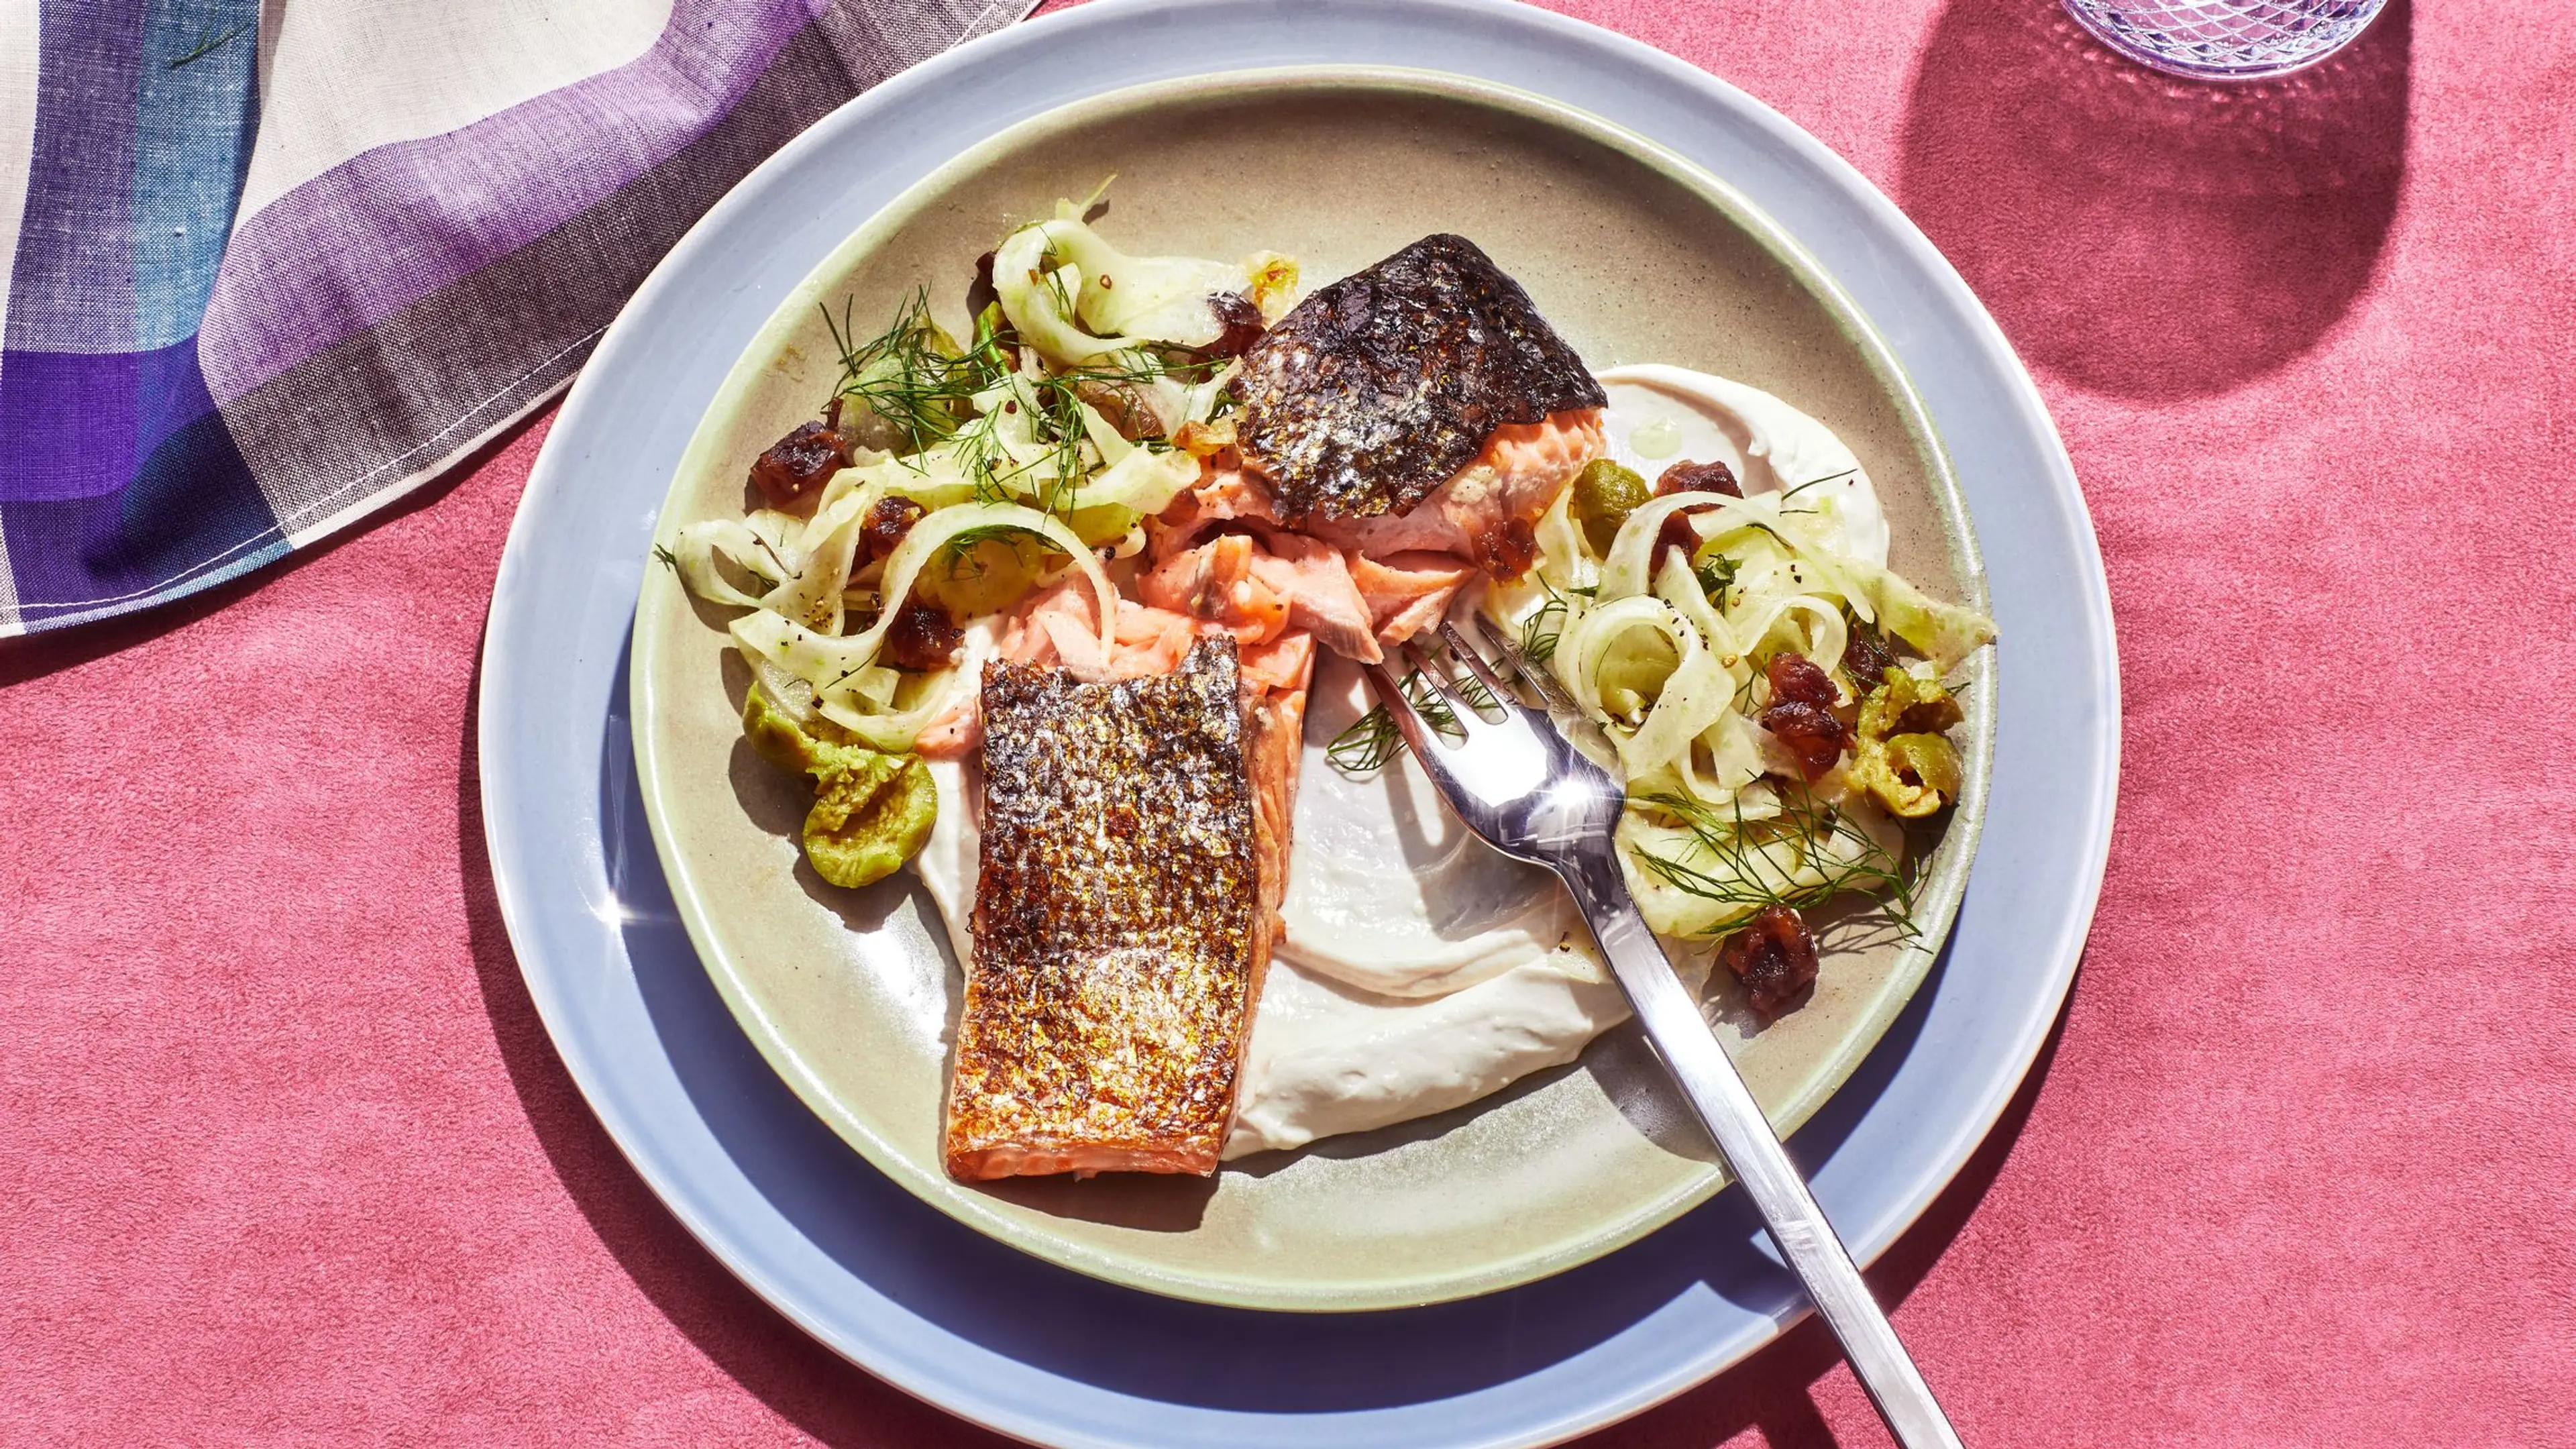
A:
(1217, 581)
(1323, 600)
(1487, 514)
(1197, 580)
(1028, 640)
(1407, 592)
(1274, 728)
(1060, 624)
(1131, 860)
(957, 731)
(1261, 584)
(1222, 495)
(1150, 640)
(1285, 666)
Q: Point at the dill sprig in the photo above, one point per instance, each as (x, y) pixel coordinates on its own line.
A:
(1479, 698)
(912, 375)
(666, 558)
(1544, 626)
(1742, 872)
(957, 554)
(1373, 740)
(1365, 747)
(922, 384)
(1716, 574)
(1788, 493)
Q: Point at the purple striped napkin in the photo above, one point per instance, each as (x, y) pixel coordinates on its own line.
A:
(264, 279)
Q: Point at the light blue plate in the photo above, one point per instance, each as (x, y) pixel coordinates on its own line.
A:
(1043, 1353)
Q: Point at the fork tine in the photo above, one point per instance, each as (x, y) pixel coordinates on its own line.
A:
(1421, 662)
(1549, 690)
(1461, 650)
(1417, 738)
(1467, 694)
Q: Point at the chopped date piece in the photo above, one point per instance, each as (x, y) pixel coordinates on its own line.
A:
(1795, 677)
(885, 527)
(1242, 319)
(1812, 734)
(1774, 956)
(1801, 714)
(1507, 549)
(1688, 477)
(1866, 657)
(922, 637)
(800, 463)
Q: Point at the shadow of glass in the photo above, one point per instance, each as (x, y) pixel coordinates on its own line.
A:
(2146, 236)
(1013, 1304)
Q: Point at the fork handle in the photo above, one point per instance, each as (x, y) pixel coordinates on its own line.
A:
(1726, 1107)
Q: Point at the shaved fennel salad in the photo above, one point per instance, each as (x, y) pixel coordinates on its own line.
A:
(948, 481)
(1749, 663)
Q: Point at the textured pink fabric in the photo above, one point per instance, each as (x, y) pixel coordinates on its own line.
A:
(287, 1158)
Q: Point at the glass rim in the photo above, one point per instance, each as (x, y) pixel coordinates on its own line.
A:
(2192, 70)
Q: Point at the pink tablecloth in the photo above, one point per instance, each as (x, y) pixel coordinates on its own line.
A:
(288, 1158)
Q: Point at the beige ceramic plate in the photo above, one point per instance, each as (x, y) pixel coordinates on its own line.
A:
(1635, 256)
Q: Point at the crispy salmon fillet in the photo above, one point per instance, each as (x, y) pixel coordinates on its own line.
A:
(1384, 386)
(1132, 856)
(1418, 411)
(1402, 429)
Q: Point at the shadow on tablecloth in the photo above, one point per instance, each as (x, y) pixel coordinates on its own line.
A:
(1773, 1390)
(2153, 238)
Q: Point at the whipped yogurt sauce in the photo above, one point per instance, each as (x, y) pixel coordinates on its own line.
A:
(1420, 970)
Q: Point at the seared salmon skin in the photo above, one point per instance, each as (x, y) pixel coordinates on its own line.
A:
(1122, 922)
(1385, 385)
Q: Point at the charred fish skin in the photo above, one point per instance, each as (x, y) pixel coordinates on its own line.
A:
(1380, 387)
(1119, 935)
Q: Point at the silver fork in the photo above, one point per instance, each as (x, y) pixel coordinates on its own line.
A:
(1527, 790)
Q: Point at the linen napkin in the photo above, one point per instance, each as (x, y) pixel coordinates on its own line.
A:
(271, 266)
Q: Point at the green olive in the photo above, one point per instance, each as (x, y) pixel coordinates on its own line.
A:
(1902, 758)
(872, 810)
(1924, 773)
(1906, 705)
(1604, 495)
